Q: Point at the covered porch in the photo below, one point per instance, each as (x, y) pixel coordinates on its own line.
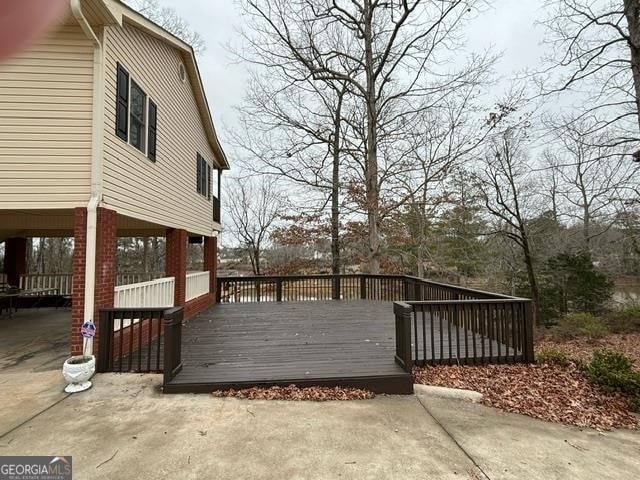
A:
(65, 288)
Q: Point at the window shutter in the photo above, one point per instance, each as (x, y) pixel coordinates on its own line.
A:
(199, 175)
(209, 177)
(203, 177)
(153, 115)
(122, 103)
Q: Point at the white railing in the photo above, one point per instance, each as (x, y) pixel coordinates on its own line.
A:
(137, 277)
(155, 293)
(60, 281)
(197, 285)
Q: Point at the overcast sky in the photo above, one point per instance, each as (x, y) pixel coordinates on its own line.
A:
(508, 26)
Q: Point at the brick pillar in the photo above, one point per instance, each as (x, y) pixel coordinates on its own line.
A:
(176, 262)
(79, 259)
(211, 262)
(15, 259)
(105, 277)
(106, 248)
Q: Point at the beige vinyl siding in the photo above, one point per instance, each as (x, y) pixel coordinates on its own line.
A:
(45, 123)
(163, 192)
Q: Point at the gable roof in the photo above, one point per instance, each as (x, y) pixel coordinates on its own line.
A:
(125, 14)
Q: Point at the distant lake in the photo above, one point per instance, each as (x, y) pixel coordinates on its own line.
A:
(626, 294)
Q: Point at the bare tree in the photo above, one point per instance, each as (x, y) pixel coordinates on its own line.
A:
(295, 130)
(596, 49)
(394, 66)
(506, 187)
(169, 19)
(593, 178)
(254, 206)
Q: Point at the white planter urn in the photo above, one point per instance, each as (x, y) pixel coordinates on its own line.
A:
(77, 371)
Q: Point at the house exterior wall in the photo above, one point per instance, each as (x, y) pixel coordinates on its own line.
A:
(45, 123)
(164, 191)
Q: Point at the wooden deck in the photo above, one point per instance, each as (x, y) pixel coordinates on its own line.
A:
(331, 343)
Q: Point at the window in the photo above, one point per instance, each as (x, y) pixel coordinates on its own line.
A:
(203, 177)
(136, 116)
(138, 105)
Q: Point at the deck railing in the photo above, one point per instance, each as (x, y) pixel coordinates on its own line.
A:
(293, 288)
(60, 282)
(63, 281)
(197, 285)
(463, 332)
(155, 293)
(435, 322)
(140, 340)
(137, 277)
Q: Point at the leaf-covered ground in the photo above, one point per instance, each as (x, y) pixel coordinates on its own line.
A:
(583, 348)
(291, 392)
(550, 392)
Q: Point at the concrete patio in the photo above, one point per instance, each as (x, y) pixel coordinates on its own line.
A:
(34, 344)
(125, 427)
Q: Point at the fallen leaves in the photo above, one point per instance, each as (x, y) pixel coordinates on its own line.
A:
(550, 392)
(291, 392)
(583, 348)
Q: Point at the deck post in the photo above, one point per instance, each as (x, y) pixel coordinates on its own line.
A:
(279, 290)
(172, 325)
(527, 351)
(363, 287)
(403, 314)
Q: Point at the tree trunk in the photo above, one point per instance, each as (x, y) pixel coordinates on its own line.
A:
(335, 189)
(632, 12)
(533, 282)
(255, 257)
(371, 161)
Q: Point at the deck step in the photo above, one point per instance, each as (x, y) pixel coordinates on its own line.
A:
(400, 384)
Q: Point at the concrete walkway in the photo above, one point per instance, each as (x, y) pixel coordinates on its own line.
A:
(34, 344)
(124, 428)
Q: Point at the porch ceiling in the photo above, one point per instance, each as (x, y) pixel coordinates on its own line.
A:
(59, 223)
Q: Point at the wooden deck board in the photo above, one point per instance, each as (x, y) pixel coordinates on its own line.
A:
(349, 343)
(320, 342)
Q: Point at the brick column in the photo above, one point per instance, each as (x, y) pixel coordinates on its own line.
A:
(79, 259)
(15, 259)
(106, 249)
(105, 274)
(176, 262)
(211, 263)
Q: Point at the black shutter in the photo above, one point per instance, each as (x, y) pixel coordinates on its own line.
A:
(209, 176)
(122, 103)
(203, 177)
(153, 115)
(199, 175)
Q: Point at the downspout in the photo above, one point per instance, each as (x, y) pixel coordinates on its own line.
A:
(96, 168)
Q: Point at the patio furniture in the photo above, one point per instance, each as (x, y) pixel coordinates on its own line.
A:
(37, 295)
(8, 300)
